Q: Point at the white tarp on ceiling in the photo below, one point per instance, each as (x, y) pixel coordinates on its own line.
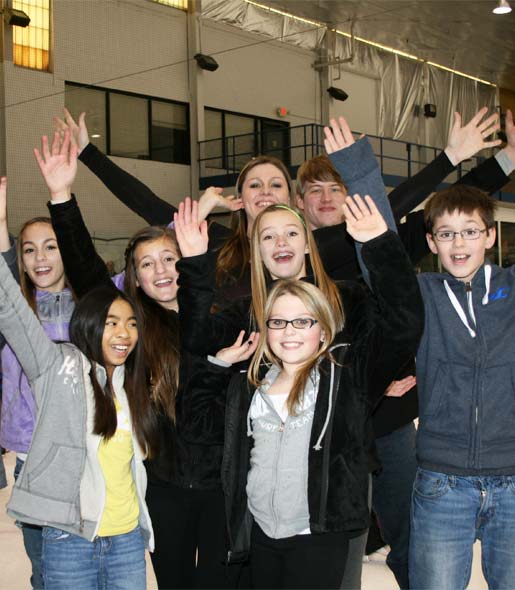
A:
(404, 83)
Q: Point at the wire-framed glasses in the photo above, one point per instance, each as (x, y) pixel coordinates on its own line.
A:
(446, 235)
(298, 323)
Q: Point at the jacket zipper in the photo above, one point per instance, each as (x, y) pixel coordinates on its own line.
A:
(280, 430)
(473, 457)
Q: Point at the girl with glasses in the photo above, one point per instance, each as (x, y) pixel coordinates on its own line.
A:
(296, 424)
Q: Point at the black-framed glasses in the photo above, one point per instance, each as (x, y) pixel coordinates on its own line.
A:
(446, 235)
(298, 323)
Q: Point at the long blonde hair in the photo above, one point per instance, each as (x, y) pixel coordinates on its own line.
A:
(260, 275)
(321, 309)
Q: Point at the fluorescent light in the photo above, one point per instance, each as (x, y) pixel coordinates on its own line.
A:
(502, 7)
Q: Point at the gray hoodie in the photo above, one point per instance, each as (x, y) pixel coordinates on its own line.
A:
(277, 484)
(61, 484)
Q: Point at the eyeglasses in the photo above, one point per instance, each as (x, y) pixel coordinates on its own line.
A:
(445, 235)
(297, 323)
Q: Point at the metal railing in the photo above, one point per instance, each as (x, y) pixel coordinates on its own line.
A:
(221, 159)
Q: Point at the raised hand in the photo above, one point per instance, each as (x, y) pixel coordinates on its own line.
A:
(338, 136)
(240, 350)
(364, 222)
(465, 141)
(79, 132)
(399, 388)
(58, 165)
(191, 235)
(4, 232)
(510, 136)
(212, 198)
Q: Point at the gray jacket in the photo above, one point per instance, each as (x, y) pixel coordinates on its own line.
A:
(277, 485)
(61, 484)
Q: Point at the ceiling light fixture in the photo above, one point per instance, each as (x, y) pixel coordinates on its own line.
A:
(503, 7)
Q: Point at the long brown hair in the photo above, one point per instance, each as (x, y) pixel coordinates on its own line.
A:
(235, 253)
(321, 309)
(260, 277)
(160, 336)
(86, 331)
(27, 287)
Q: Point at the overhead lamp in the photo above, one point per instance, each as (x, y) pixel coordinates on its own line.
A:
(206, 62)
(15, 18)
(337, 93)
(503, 7)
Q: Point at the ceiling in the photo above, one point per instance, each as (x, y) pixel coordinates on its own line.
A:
(464, 35)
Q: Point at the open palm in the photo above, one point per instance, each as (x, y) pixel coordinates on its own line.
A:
(364, 222)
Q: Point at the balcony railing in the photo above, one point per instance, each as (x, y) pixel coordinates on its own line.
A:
(221, 159)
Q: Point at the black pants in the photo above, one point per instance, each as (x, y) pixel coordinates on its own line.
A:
(302, 561)
(189, 529)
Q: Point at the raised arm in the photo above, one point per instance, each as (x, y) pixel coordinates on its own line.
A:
(83, 267)
(133, 193)
(201, 331)
(388, 328)
(22, 329)
(464, 142)
(357, 165)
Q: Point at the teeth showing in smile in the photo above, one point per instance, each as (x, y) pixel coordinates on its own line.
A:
(291, 345)
(264, 204)
(163, 282)
(121, 347)
(43, 269)
(283, 256)
(459, 257)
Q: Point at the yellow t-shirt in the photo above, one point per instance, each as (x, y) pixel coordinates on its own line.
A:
(121, 509)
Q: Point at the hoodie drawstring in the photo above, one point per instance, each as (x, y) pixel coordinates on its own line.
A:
(318, 445)
(459, 309)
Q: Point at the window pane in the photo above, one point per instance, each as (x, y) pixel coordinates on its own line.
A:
(507, 244)
(129, 126)
(170, 136)
(182, 4)
(92, 102)
(213, 150)
(239, 149)
(30, 44)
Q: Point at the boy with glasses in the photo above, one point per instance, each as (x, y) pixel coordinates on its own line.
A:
(465, 486)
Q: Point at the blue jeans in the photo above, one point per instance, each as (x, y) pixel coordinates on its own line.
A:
(116, 563)
(448, 514)
(31, 540)
(391, 497)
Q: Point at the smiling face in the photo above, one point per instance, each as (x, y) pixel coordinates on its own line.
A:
(154, 262)
(291, 345)
(41, 257)
(322, 203)
(461, 258)
(120, 334)
(282, 244)
(264, 185)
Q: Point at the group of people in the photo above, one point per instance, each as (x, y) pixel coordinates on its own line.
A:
(239, 398)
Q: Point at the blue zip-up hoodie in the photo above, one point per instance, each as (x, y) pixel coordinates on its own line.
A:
(466, 373)
(54, 311)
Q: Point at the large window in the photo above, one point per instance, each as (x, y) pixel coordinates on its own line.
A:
(182, 4)
(131, 125)
(31, 45)
(233, 138)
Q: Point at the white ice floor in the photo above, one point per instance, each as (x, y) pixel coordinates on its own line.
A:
(15, 570)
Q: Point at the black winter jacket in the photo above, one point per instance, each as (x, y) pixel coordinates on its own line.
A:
(381, 334)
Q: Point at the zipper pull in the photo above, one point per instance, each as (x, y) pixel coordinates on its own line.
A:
(281, 428)
(468, 287)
